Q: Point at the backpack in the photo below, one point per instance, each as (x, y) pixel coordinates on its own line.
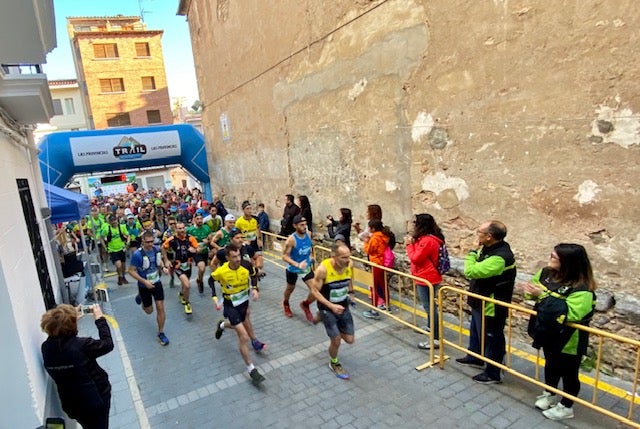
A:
(110, 236)
(444, 264)
(389, 258)
(552, 313)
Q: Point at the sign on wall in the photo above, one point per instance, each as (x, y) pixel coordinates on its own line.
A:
(224, 127)
(116, 148)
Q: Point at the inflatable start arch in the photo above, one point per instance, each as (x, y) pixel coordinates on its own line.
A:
(64, 154)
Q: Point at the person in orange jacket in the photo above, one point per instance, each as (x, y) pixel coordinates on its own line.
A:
(375, 246)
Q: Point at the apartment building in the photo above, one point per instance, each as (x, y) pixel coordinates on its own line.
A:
(120, 69)
(69, 113)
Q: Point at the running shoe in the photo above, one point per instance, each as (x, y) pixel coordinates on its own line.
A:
(338, 371)
(471, 361)
(119, 281)
(181, 298)
(256, 377)
(200, 286)
(559, 412)
(371, 314)
(545, 401)
(187, 308)
(124, 280)
(307, 312)
(257, 345)
(162, 338)
(426, 345)
(287, 309)
(483, 378)
(138, 300)
(219, 330)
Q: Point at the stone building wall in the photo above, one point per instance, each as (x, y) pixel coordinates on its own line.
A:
(524, 111)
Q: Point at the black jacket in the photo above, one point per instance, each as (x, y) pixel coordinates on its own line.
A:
(71, 361)
(287, 220)
(498, 284)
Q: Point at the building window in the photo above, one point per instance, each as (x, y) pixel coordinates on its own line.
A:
(142, 49)
(148, 83)
(153, 117)
(118, 119)
(112, 85)
(57, 106)
(69, 108)
(105, 50)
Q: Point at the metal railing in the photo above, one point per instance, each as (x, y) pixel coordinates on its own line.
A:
(403, 308)
(599, 335)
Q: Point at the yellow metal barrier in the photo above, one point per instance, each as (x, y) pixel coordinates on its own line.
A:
(403, 306)
(511, 308)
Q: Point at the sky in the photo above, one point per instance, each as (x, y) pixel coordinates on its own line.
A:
(158, 15)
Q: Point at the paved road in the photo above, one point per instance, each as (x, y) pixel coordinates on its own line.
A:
(198, 382)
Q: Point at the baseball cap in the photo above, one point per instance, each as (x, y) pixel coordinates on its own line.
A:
(130, 216)
(298, 218)
(234, 231)
(229, 218)
(127, 212)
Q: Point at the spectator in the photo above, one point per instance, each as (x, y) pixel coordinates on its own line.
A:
(423, 250)
(374, 246)
(492, 270)
(374, 212)
(290, 211)
(305, 211)
(83, 386)
(569, 275)
(341, 229)
(263, 219)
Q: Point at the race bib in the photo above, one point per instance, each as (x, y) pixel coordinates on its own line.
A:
(184, 266)
(153, 276)
(338, 295)
(239, 298)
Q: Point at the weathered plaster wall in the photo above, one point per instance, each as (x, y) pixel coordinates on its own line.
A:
(526, 111)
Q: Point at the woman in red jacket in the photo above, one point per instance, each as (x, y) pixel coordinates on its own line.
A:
(422, 249)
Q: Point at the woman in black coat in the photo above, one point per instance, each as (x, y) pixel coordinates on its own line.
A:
(83, 386)
(340, 229)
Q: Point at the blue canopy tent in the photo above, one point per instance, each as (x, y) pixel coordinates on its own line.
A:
(66, 206)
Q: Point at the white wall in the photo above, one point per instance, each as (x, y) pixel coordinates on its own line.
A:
(24, 379)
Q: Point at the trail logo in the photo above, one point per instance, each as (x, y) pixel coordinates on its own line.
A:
(129, 148)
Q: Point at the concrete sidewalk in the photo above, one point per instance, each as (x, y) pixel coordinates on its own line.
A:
(200, 382)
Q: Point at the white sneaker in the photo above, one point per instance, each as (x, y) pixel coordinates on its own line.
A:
(559, 412)
(425, 345)
(545, 401)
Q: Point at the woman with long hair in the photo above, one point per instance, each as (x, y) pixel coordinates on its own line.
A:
(374, 212)
(305, 210)
(423, 249)
(567, 277)
(341, 229)
(83, 386)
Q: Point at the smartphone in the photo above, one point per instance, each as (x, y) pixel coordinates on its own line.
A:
(87, 309)
(54, 423)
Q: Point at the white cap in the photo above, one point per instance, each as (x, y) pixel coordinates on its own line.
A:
(229, 217)
(127, 212)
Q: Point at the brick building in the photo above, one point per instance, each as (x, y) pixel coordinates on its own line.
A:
(120, 70)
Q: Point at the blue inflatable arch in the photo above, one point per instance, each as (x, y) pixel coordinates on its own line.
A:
(64, 154)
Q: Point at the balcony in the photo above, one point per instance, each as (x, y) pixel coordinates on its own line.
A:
(27, 31)
(24, 93)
